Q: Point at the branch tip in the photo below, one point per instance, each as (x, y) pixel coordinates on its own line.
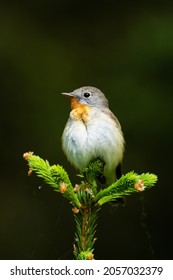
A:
(75, 210)
(90, 256)
(27, 155)
(30, 171)
(77, 188)
(63, 187)
(139, 186)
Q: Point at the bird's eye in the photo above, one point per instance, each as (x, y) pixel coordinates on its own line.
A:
(86, 94)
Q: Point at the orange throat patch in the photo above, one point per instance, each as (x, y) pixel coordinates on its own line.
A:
(79, 111)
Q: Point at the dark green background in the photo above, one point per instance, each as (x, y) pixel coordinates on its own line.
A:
(126, 50)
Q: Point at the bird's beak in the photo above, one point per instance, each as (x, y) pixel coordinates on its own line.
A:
(69, 94)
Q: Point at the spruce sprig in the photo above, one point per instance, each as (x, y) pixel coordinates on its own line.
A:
(86, 198)
(128, 184)
(55, 176)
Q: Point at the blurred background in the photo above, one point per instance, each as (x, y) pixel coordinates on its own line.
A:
(125, 49)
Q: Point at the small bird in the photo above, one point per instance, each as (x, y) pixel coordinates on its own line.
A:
(92, 131)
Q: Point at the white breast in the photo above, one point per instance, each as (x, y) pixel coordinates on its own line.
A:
(99, 137)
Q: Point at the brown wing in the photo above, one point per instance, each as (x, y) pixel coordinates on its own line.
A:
(108, 112)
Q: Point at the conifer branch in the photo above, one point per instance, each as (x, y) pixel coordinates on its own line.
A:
(126, 185)
(54, 175)
(86, 198)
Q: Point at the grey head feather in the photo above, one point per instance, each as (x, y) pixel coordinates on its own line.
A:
(95, 98)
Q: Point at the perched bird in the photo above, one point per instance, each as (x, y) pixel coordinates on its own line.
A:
(92, 131)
